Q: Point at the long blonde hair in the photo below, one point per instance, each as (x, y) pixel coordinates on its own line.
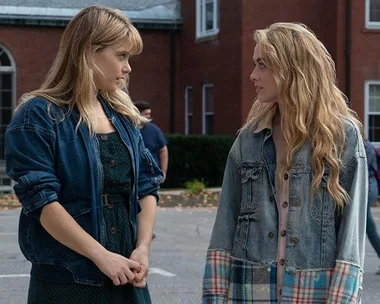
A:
(312, 107)
(70, 80)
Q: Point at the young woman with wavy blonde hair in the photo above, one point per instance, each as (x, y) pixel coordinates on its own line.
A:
(290, 225)
(87, 185)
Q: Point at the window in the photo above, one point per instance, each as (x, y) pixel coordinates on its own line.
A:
(208, 109)
(7, 98)
(372, 12)
(372, 105)
(188, 110)
(207, 18)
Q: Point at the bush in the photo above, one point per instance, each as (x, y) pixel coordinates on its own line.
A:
(198, 157)
(195, 186)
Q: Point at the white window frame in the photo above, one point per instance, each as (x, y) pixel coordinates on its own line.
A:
(368, 83)
(187, 114)
(370, 24)
(11, 70)
(201, 31)
(204, 113)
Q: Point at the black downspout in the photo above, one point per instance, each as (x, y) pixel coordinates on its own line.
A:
(172, 84)
(348, 51)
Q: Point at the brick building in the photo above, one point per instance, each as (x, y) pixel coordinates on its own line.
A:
(197, 55)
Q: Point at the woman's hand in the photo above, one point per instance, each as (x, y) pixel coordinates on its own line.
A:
(140, 255)
(118, 268)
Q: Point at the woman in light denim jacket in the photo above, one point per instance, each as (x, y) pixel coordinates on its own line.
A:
(290, 226)
(87, 185)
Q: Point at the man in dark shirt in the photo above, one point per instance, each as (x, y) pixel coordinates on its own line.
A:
(154, 139)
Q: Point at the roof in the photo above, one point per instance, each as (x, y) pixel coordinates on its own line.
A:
(58, 12)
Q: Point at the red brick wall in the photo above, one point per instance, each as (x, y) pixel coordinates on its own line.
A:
(365, 56)
(34, 49)
(150, 77)
(216, 61)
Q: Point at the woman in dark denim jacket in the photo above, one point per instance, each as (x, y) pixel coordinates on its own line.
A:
(372, 231)
(87, 185)
(290, 225)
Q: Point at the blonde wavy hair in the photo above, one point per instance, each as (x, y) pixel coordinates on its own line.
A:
(312, 107)
(70, 81)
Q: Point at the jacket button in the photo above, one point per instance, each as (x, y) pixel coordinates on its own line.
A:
(294, 240)
(285, 204)
(286, 176)
(271, 234)
(104, 136)
(295, 203)
(281, 262)
(113, 230)
(111, 163)
(271, 198)
(283, 232)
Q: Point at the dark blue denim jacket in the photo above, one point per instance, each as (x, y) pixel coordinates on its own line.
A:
(51, 161)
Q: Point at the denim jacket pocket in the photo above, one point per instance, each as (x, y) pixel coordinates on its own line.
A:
(252, 184)
(322, 205)
(47, 249)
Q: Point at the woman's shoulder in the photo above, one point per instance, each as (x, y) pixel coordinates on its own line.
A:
(354, 142)
(37, 111)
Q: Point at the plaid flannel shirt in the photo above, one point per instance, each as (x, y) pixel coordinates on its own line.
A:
(229, 280)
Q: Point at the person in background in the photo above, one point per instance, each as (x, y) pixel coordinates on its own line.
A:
(87, 185)
(372, 231)
(154, 138)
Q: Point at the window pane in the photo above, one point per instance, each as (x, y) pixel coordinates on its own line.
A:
(5, 181)
(374, 98)
(2, 135)
(374, 11)
(209, 124)
(189, 98)
(6, 99)
(189, 124)
(374, 128)
(6, 116)
(209, 102)
(210, 15)
(6, 81)
(4, 59)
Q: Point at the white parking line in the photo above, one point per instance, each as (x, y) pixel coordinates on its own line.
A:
(13, 276)
(161, 272)
(158, 271)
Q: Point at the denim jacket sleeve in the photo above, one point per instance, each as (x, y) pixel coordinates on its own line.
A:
(150, 174)
(218, 261)
(30, 156)
(346, 282)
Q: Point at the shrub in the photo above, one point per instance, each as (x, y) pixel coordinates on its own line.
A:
(198, 157)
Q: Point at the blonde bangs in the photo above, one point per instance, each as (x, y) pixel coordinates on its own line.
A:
(135, 41)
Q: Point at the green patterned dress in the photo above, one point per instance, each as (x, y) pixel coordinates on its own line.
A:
(117, 169)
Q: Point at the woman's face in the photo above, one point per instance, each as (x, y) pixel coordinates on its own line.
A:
(263, 78)
(113, 65)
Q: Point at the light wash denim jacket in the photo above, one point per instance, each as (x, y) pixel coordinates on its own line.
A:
(325, 249)
(51, 161)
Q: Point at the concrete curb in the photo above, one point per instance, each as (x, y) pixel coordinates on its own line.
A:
(182, 191)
